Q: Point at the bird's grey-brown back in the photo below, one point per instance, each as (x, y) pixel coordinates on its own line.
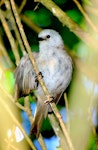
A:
(25, 76)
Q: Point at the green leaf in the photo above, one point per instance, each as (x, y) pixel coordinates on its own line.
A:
(75, 15)
(60, 2)
(41, 17)
(87, 2)
(9, 81)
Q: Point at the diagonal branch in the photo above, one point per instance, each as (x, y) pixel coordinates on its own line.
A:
(67, 21)
(86, 16)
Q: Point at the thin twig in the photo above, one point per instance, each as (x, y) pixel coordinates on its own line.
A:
(12, 20)
(86, 16)
(10, 37)
(23, 3)
(67, 110)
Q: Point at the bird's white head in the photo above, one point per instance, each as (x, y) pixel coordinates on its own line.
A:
(49, 38)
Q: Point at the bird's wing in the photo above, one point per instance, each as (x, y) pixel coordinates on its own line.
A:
(25, 77)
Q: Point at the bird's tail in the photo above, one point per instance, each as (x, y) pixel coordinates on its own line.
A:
(41, 113)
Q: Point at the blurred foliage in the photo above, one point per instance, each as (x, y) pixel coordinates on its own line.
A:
(92, 143)
(9, 81)
(75, 15)
(60, 3)
(41, 17)
(87, 2)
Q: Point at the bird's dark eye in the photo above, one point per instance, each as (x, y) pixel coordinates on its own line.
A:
(48, 36)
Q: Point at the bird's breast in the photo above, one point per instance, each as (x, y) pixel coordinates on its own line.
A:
(56, 73)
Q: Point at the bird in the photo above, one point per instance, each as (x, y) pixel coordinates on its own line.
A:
(55, 66)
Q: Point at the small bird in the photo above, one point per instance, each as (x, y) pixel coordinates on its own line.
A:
(55, 66)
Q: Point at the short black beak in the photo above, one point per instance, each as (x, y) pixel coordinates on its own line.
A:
(40, 39)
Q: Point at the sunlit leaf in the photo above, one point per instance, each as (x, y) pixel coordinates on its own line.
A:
(9, 81)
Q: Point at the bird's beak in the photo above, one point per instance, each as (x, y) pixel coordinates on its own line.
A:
(40, 39)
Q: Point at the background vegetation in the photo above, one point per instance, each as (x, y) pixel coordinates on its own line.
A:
(77, 23)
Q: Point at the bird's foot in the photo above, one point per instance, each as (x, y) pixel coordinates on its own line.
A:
(38, 77)
(50, 99)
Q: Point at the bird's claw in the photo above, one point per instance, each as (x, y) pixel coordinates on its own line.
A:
(38, 77)
(49, 100)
